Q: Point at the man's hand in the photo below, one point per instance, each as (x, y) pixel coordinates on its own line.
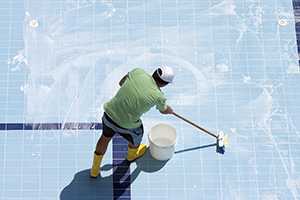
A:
(169, 110)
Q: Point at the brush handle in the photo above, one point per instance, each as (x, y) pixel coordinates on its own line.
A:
(195, 125)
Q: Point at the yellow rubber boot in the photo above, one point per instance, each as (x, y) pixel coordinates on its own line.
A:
(95, 170)
(135, 153)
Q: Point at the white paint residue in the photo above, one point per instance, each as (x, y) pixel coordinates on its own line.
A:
(258, 110)
(233, 130)
(293, 69)
(294, 186)
(183, 100)
(262, 109)
(246, 79)
(222, 67)
(269, 196)
(18, 61)
(73, 70)
(283, 22)
(226, 7)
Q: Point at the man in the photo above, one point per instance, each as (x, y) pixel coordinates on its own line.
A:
(138, 93)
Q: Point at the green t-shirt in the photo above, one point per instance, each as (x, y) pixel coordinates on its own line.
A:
(136, 96)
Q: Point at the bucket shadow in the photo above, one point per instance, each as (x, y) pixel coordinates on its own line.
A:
(83, 187)
(196, 148)
(148, 164)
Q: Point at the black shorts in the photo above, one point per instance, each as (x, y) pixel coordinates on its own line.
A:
(134, 136)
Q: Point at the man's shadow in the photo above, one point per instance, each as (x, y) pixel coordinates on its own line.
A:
(83, 187)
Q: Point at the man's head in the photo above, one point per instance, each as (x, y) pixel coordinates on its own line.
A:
(163, 76)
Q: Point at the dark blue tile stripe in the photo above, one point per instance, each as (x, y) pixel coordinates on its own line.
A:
(50, 126)
(296, 5)
(121, 175)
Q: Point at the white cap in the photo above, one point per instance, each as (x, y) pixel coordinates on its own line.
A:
(167, 74)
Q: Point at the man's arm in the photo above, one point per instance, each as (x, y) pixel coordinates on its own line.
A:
(123, 80)
(162, 106)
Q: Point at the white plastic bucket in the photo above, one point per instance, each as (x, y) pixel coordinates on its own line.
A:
(162, 140)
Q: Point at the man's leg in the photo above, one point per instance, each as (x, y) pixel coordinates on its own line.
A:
(136, 150)
(130, 145)
(102, 145)
(101, 148)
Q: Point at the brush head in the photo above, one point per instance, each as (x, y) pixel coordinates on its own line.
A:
(222, 141)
